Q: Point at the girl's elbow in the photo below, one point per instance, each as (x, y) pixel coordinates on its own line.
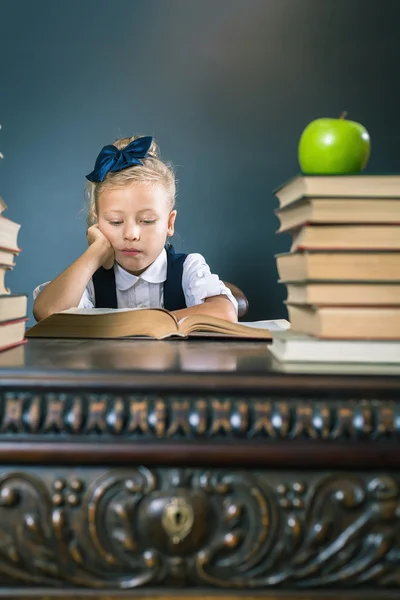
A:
(221, 307)
(37, 314)
(40, 312)
(230, 312)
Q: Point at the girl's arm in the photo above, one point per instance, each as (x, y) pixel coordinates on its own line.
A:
(205, 293)
(216, 306)
(66, 290)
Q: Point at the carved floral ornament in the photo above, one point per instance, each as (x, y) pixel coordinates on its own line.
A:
(126, 528)
(155, 416)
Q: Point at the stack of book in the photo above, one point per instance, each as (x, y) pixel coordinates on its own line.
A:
(343, 270)
(13, 307)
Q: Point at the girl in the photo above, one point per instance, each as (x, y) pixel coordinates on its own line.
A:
(128, 263)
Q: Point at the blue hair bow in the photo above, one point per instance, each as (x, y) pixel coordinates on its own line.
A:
(112, 159)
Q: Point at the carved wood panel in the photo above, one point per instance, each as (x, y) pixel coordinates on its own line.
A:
(192, 417)
(122, 529)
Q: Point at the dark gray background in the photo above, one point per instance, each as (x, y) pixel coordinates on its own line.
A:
(225, 86)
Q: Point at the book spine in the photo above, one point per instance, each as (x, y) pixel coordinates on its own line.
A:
(9, 346)
(13, 321)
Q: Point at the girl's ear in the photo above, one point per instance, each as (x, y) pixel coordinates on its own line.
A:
(93, 216)
(171, 223)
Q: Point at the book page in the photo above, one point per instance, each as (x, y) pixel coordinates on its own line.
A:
(273, 325)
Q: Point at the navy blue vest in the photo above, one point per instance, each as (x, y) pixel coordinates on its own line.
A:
(105, 292)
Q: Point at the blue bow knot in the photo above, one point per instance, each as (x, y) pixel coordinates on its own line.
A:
(112, 160)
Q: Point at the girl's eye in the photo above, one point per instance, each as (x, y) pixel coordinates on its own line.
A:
(148, 222)
(115, 222)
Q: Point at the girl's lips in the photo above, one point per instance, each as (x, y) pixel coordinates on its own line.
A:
(130, 252)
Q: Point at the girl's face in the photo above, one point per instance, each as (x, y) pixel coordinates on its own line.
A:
(137, 220)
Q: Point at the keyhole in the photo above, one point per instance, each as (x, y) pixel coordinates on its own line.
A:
(178, 518)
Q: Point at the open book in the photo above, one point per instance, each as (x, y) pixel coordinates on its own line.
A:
(155, 323)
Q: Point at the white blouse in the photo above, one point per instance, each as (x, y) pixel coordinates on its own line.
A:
(147, 289)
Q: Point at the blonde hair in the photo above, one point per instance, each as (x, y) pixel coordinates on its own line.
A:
(153, 172)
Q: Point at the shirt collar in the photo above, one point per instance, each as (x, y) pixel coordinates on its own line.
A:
(155, 273)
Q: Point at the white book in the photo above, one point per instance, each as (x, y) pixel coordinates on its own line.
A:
(291, 347)
(334, 368)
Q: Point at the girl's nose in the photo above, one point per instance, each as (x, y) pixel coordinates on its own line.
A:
(132, 232)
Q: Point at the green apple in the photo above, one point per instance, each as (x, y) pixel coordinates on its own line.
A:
(334, 146)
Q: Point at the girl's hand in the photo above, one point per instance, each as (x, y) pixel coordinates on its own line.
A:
(95, 236)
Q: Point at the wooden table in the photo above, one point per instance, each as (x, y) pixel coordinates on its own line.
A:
(134, 468)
